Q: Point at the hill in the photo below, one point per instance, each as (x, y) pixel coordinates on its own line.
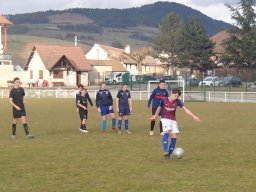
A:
(148, 15)
(134, 26)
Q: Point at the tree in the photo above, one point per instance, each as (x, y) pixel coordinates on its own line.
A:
(168, 43)
(240, 47)
(139, 55)
(197, 47)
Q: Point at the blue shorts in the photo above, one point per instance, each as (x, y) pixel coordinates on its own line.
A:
(105, 110)
(124, 111)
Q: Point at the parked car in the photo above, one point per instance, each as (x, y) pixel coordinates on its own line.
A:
(234, 81)
(192, 82)
(211, 81)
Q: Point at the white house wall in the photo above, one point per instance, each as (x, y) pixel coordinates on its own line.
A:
(98, 73)
(36, 64)
(97, 53)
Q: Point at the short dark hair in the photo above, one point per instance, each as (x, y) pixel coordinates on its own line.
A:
(16, 79)
(176, 90)
(125, 84)
(161, 81)
(102, 83)
(83, 89)
(80, 86)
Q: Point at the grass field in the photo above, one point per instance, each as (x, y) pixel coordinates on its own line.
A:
(219, 152)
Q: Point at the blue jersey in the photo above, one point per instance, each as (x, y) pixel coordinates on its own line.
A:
(104, 97)
(156, 97)
(123, 97)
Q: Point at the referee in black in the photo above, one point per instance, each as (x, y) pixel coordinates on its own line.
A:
(16, 98)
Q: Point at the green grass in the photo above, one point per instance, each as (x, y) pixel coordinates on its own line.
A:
(219, 152)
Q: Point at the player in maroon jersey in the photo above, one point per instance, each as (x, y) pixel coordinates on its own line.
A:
(167, 109)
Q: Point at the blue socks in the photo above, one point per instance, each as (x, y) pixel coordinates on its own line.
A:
(126, 124)
(119, 124)
(172, 146)
(113, 122)
(104, 125)
(165, 141)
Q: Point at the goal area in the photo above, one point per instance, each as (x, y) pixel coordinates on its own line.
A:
(170, 84)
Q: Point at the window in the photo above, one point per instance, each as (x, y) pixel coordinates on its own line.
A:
(58, 74)
(41, 74)
(31, 74)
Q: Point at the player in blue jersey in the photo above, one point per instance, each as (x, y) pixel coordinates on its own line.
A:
(123, 107)
(82, 101)
(104, 103)
(158, 93)
(168, 108)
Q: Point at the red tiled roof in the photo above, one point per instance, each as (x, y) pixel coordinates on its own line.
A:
(5, 21)
(51, 54)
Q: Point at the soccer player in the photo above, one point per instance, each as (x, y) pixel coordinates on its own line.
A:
(16, 98)
(83, 111)
(168, 118)
(158, 93)
(104, 103)
(80, 87)
(123, 107)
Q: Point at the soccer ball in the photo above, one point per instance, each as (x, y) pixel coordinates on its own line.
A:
(178, 152)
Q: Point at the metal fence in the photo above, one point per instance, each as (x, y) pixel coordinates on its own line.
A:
(208, 96)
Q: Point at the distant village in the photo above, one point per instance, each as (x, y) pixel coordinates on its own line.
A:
(56, 65)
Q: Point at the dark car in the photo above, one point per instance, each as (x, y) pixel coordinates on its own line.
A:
(192, 82)
(234, 81)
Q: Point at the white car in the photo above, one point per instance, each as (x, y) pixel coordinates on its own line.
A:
(210, 81)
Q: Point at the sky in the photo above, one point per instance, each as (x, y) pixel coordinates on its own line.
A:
(213, 8)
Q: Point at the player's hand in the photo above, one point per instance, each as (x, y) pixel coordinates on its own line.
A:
(130, 110)
(77, 109)
(197, 119)
(110, 108)
(153, 117)
(85, 108)
(99, 110)
(18, 108)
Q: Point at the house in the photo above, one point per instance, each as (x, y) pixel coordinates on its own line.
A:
(103, 68)
(151, 66)
(105, 53)
(58, 65)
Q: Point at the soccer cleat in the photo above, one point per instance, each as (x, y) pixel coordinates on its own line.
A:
(151, 133)
(81, 129)
(128, 132)
(84, 131)
(166, 156)
(13, 137)
(114, 129)
(29, 136)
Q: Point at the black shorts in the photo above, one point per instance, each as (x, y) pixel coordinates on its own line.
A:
(83, 114)
(154, 110)
(18, 114)
(124, 111)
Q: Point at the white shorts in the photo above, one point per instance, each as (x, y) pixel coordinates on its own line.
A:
(170, 125)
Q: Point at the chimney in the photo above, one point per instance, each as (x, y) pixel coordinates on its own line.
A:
(127, 49)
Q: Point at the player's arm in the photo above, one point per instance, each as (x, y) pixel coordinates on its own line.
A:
(89, 99)
(130, 101)
(151, 98)
(98, 101)
(157, 113)
(111, 101)
(117, 104)
(130, 104)
(80, 105)
(13, 104)
(188, 112)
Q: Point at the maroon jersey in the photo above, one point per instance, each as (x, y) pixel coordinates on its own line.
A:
(168, 108)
